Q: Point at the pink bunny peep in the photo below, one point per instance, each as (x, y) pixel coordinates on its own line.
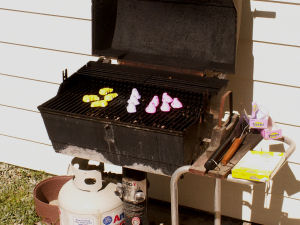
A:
(150, 108)
(165, 107)
(167, 98)
(155, 101)
(176, 104)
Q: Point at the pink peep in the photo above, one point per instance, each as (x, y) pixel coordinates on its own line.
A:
(167, 98)
(165, 107)
(176, 104)
(150, 108)
(155, 101)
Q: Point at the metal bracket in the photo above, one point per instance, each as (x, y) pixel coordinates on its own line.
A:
(114, 61)
(65, 74)
(221, 112)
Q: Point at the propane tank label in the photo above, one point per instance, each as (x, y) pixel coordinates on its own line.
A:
(69, 218)
(113, 217)
(83, 221)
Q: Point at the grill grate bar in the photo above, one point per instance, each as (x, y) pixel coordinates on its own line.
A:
(152, 77)
(90, 80)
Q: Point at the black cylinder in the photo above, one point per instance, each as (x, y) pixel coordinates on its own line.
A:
(135, 197)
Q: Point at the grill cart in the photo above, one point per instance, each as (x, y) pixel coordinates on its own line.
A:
(180, 47)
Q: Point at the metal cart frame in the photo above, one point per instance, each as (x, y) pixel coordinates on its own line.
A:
(217, 200)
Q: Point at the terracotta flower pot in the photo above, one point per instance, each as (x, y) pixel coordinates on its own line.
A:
(45, 192)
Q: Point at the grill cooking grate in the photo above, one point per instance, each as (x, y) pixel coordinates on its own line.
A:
(89, 81)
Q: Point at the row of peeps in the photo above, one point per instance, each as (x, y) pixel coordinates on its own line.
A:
(167, 103)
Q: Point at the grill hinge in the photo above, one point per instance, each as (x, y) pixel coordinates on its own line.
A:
(65, 74)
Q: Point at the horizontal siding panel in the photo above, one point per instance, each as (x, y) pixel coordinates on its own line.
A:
(271, 64)
(281, 101)
(24, 93)
(290, 208)
(293, 2)
(290, 171)
(60, 33)
(23, 124)
(37, 156)
(293, 133)
(39, 64)
(69, 8)
(33, 156)
(288, 174)
(282, 29)
(239, 201)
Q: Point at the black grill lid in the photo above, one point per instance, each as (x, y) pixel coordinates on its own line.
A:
(186, 34)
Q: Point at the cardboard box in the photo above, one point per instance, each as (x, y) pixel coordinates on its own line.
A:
(258, 166)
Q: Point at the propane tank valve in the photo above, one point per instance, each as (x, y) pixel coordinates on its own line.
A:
(140, 196)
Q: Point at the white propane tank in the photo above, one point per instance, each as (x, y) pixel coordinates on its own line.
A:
(82, 202)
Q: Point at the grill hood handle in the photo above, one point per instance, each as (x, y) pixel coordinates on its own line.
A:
(228, 94)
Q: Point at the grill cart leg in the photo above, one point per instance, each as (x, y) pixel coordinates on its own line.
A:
(217, 206)
(174, 196)
(174, 192)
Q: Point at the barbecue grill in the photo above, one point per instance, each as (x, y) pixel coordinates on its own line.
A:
(175, 46)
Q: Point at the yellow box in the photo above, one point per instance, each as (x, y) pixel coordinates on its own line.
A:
(258, 166)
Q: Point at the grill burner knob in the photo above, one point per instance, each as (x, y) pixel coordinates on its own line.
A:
(176, 104)
(167, 98)
(165, 107)
(135, 93)
(151, 108)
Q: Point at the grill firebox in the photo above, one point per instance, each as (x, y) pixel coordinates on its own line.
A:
(161, 141)
(162, 46)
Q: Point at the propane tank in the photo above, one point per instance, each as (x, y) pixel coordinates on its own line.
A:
(83, 200)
